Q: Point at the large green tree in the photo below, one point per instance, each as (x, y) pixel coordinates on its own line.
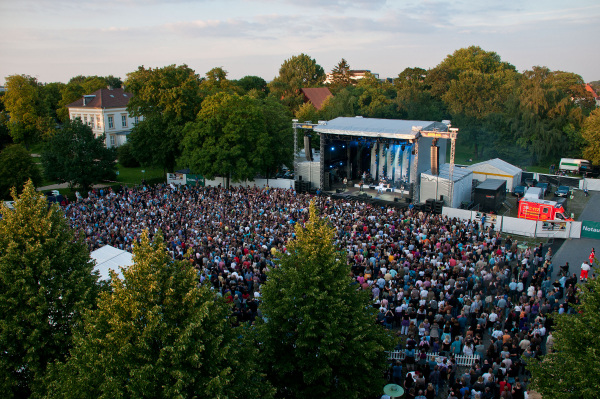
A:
(254, 84)
(375, 97)
(158, 333)
(23, 100)
(167, 98)
(570, 371)
(16, 167)
(73, 155)
(46, 283)
(236, 137)
(295, 73)
(319, 338)
(591, 134)
(341, 76)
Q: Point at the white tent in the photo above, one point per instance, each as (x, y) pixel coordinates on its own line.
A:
(111, 258)
(497, 169)
(454, 192)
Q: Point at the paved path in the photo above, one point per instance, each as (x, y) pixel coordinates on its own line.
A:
(65, 185)
(577, 250)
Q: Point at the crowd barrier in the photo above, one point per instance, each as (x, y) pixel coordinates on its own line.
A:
(461, 360)
(519, 226)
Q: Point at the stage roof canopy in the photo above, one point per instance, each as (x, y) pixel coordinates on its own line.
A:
(379, 128)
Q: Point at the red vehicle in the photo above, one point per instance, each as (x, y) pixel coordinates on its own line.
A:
(539, 209)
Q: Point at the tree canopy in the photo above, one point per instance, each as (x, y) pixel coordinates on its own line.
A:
(295, 73)
(158, 333)
(16, 168)
(569, 371)
(167, 98)
(73, 155)
(46, 284)
(29, 120)
(237, 136)
(319, 336)
(340, 76)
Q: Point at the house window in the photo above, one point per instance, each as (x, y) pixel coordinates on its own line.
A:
(98, 122)
(92, 121)
(111, 122)
(85, 122)
(124, 120)
(112, 140)
(136, 120)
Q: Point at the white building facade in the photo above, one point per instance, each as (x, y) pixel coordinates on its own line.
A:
(105, 111)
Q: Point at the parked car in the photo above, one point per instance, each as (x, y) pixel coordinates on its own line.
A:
(530, 182)
(545, 187)
(562, 191)
(518, 191)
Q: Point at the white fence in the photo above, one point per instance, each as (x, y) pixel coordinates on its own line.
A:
(523, 227)
(273, 183)
(461, 360)
(591, 184)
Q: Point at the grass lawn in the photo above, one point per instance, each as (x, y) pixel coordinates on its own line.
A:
(131, 176)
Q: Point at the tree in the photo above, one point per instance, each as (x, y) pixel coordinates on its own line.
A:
(73, 155)
(216, 81)
(167, 98)
(298, 72)
(374, 100)
(319, 338)
(341, 76)
(591, 134)
(569, 371)
(16, 167)
(158, 333)
(46, 284)
(278, 146)
(344, 103)
(23, 101)
(227, 139)
(253, 83)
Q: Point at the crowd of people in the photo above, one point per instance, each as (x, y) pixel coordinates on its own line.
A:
(445, 286)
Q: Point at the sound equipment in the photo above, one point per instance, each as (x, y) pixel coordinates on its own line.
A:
(308, 148)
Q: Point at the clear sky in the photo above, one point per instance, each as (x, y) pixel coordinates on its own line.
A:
(55, 40)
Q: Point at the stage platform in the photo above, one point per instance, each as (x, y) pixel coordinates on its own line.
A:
(397, 199)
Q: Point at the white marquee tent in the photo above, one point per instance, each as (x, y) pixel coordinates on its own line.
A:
(108, 258)
(497, 169)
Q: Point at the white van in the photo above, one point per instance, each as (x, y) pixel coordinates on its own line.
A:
(534, 193)
(573, 165)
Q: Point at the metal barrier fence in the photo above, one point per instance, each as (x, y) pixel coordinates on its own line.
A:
(461, 360)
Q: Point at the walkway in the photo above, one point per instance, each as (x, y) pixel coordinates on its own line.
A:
(575, 251)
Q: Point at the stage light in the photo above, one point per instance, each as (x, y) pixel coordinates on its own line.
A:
(341, 163)
(343, 146)
(332, 148)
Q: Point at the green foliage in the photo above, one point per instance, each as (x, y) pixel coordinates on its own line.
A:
(46, 283)
(341, 76)
(277, 148)
(73, 155)
(319, 339)
(569, 372)
(16, 167)
(23, 100)
(5, 138)
(414, 99)
(253, 83)
(591, 134)
(375, 98)
(228, 138)
(307, 112)
(216, 82)
(167, 98)
(298, 72)
(344, 103)
(158, 333)
(125, 156)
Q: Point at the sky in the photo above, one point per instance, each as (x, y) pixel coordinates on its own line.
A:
(55, 40)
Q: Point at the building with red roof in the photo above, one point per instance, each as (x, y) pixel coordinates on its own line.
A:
(105, 111)
(316, 96)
